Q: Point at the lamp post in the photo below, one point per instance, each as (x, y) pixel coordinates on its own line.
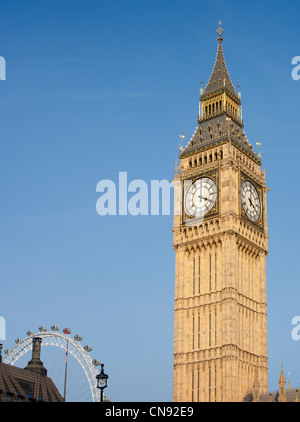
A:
(102, 381)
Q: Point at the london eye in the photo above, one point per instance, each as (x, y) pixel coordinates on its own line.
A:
(68, 362)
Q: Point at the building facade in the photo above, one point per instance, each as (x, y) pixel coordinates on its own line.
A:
(220, 240)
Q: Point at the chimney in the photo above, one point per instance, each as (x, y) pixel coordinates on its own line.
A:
(35, 364)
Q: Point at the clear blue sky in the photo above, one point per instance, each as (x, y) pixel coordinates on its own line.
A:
(98, 87)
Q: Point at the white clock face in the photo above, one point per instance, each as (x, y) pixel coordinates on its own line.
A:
(250, 201)
(200, 197)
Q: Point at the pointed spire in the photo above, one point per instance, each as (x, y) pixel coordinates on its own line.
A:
(220, 79)
(281, 382)
(289, 385)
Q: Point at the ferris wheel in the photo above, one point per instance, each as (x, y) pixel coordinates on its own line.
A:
(70, 345)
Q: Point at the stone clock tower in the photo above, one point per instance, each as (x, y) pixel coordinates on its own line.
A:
(221, 244)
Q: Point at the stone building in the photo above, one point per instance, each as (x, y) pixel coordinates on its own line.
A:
(30, 384)
(220, 240)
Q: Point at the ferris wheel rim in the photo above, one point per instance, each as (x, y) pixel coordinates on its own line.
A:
(82, 356)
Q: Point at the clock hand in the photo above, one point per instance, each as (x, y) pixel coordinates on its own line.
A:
(251, 203)
(206, 199)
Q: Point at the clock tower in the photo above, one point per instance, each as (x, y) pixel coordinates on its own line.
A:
(221, 245)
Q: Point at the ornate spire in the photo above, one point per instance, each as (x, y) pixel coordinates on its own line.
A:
(220, 79)
(282, 382)
(289, 385)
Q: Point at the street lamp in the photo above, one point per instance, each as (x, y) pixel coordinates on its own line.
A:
(102, 381)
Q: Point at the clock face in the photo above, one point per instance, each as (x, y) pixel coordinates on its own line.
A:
(250, 201)
(200, 197)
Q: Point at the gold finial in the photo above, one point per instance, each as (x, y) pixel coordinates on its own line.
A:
(258, 143)
(201, 86)
(220, 32)
(181, 141)
(239, 90)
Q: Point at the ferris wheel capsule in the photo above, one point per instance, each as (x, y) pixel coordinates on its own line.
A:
(54, 328)
(30, 333)
(77, 337)
(6, 351)
(88, 348)
(66, 331)
(96, 362)
(42, 329)
(18, 340)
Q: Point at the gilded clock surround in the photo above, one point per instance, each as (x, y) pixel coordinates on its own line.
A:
(187, 219)
(259, 223)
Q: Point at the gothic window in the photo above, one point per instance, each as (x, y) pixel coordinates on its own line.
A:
(194, 276)
(198, 331)
(210, 272)
(199, 277)
(193, 333)
(209, 330)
